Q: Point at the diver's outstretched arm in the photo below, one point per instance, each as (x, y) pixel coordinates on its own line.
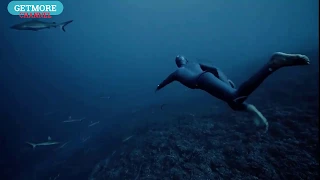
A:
(172, 77)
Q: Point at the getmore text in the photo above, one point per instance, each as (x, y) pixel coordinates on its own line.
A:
(35, 8)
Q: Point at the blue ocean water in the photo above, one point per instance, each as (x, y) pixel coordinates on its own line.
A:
(106, 66)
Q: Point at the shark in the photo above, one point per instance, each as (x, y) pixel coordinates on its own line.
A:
(36, 25)
(127, 139)
(60, 147)
(92, 124)
(113, 153)
(70, 120)
(85, 139)
(48, 143)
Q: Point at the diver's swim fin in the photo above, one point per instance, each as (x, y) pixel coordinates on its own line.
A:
(258, 118)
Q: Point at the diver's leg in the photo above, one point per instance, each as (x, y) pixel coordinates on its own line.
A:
(256, 115)
(277, 61)
(221, 90)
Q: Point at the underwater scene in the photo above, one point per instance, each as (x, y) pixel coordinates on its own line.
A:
(159, 90)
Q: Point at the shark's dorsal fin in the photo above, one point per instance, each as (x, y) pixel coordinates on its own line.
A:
(49, 138)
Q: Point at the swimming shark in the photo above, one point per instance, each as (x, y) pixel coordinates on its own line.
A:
(36, 25)
(70, 120)
(127, 139)
(60, 147)
(85, 139)
(48, 143)
(92, 124)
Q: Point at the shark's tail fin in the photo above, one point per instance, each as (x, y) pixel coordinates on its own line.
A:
(63, 25)
(32, 144)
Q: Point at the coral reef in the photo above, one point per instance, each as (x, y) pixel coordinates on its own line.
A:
(224, 146)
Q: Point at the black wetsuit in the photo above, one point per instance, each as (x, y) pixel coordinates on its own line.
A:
(212, 80)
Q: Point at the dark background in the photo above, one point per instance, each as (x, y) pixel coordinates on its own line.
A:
(123, 49)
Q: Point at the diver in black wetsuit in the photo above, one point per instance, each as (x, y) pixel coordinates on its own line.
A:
(212, 80)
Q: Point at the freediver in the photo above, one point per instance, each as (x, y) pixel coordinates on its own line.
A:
(212, 80)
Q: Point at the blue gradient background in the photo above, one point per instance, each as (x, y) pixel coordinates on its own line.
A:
(123, 49)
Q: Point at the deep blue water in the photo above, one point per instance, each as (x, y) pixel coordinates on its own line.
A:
(106, 66)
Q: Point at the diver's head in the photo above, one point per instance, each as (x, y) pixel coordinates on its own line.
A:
(181, 60)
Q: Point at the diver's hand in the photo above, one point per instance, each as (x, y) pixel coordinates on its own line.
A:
(157, 89)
